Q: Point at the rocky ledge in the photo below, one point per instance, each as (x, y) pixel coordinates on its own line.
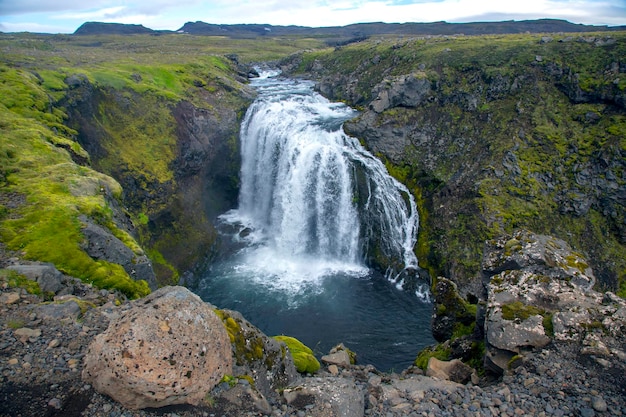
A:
(555, 347)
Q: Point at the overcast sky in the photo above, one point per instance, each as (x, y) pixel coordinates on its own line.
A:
(64, 16)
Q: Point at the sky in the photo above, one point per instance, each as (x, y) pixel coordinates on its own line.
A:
(65, 16)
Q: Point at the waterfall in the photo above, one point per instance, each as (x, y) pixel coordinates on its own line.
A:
(312, 199)
(319, 218)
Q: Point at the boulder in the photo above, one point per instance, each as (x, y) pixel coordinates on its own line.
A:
(514, 334)
(167, 348)
(101, 244)
(339, 358)
(58, 311)
(46, 275)
(255, 354)
(453, 370)
(540, 291)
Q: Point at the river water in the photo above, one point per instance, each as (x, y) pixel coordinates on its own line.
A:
(314, 207)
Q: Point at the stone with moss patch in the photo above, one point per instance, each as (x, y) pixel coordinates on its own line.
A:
(303, 356)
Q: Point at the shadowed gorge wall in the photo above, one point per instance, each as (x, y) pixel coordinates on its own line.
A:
(178, 163)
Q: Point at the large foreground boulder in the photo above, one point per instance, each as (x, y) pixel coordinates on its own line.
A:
(168, 348)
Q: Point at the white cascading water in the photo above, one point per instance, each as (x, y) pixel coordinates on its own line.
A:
(300, 203)
(315, 209)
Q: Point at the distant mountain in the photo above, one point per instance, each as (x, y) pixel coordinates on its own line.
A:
(340, 34)
(99, 28)
(369, 29)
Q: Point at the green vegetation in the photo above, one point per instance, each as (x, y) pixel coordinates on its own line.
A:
(302, 355)
(37, 165)
(247, 347)
(440, 351)
(520, 311)
(15, 280)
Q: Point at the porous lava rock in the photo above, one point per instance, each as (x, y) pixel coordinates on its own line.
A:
(168, 348)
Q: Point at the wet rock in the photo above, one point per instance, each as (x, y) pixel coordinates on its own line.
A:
(168, 348)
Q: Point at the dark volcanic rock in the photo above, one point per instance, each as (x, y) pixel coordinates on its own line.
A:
(101, 244)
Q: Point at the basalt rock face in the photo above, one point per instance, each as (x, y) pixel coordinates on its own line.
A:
(168, 348)
(492, 137)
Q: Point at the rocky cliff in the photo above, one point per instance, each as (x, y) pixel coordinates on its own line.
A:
(493, 134)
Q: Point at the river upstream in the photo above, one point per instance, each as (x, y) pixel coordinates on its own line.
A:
(314, 205)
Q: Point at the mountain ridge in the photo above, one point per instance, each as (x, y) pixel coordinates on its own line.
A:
(356, 30)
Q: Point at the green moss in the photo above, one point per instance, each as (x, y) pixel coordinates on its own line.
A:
(15, 324)
(159, 262)
(440, 351)
(461, 330)
(519, 310)
(548, 325)
(37, 165)
(303, 356)
(247, 346)
(229, 379)
(477, 359)
(15, 280)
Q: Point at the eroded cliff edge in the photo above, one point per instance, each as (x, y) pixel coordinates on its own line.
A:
(494, 134)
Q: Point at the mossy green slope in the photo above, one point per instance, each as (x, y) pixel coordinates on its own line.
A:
(44, 192)
(515, 131)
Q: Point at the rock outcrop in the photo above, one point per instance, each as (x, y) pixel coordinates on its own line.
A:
(327, 397)
(101, 244)
(540, 291)
(168, 348)
(255, 355)
(45, 274)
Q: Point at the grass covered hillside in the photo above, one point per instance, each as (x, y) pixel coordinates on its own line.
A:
(138, 134)
(495, 133)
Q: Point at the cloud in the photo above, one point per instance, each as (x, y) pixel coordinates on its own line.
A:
(13, 7)
(102, 14)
